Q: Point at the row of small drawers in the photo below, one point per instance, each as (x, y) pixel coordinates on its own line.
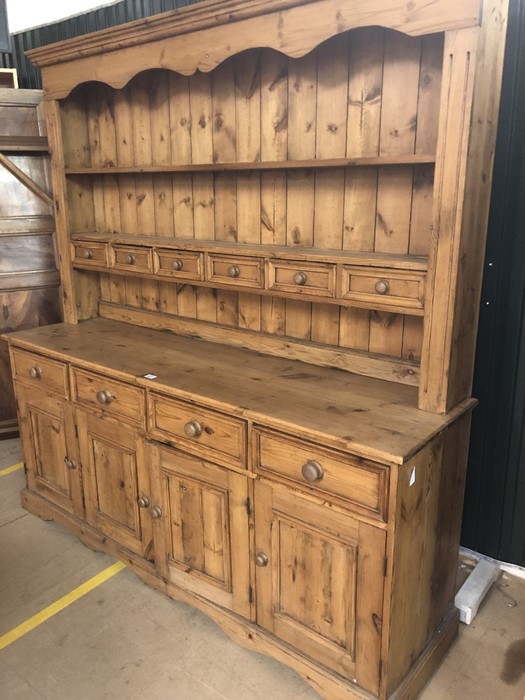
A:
(403, 288)
(217, 437)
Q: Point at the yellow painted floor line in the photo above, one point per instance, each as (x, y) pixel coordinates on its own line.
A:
(51, 610)
(9, 470)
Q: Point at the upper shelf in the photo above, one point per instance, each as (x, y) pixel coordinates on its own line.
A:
(257, 165)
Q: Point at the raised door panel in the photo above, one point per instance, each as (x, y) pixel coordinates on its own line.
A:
(202, 529)
(53, 470)
(115, 481)
(319, 582)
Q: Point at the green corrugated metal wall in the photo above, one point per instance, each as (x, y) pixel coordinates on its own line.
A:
(494, 520)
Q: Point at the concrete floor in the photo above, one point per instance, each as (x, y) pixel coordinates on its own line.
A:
(125, 641)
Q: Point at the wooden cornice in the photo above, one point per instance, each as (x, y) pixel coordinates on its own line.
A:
(201, 36)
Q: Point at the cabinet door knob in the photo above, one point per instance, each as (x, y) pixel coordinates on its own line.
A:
(143, 501)
(382, 287)
(312, 471)
(193, 428)
(261, 559)
(156, 512)
(300, 278)
(130, 259)
(104, 397)
(177, 265)
(88, 254)
(70, 463)
(35, 372)
(234, 271)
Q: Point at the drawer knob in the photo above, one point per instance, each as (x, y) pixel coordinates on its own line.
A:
(130, 259)
(143, 501)
(88, 254)
(382, 287)
(300, 278)
(312, 471)
(35, 372)
(156, 512)
(234, 271)
(177, 265)
(70, 463)
(193, 428)
(104, 397)
(261, 559)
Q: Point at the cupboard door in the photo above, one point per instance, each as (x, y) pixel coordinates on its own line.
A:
(319, 582)
(116, 489)
(201, 528)
(48, 440)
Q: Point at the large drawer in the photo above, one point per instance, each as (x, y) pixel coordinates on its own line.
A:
(212, 435)
(357, 484)
(40, 371)
(113, 397)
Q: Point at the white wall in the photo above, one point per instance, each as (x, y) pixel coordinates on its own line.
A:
(24, 14)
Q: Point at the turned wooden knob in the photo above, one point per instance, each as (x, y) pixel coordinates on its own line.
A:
(156, 512)
(234, 271)
(104, 397)
(177, 265)
(261, 559)
(382, 287)
(143, 501)
(312, 471)
(70, 463)
(35, 372)
(300, 278)
(130, 259)
(193, 428)
(88, 254)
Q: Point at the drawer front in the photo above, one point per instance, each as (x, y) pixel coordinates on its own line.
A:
(359, 485)
(228, 269)
(181, 264)
(40, 371)
(89, 254)
(378, 287)
(302, 278)
(133, 258)
(212, 435)
(111, 396)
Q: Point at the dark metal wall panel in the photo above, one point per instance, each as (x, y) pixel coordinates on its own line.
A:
(101, 18)
(494, 516)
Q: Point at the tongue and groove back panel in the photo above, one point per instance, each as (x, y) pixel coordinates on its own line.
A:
(366, 93)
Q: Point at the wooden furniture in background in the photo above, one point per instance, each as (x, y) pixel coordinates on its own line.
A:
(8, 78)
(29, 279)
(307, 218)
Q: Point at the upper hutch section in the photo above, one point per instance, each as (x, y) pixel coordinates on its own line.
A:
(309, 179)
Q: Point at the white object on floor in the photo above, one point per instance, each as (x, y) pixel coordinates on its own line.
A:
(469, 597)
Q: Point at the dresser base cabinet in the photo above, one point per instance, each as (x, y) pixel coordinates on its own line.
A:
(315, 548)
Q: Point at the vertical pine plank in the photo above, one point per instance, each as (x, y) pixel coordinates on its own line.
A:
(201, 118)
(161, 151)
(248, 149)
(302, 106)
(125, 156)
(400, 94)
(180, 118)
(429, 93)
(142, 148)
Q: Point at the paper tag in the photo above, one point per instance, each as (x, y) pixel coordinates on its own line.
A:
(412, 477)
(149, 376)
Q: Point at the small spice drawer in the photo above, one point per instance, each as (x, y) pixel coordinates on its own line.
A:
(90, 254)
(403, 289)
(312, 279)
(178, 263)
(133, 258)
(209, 434)
(356, 484)
(40, 371)
(113, 397)
(228, 269)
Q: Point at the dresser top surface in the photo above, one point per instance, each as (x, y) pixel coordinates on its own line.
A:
(371, 418)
